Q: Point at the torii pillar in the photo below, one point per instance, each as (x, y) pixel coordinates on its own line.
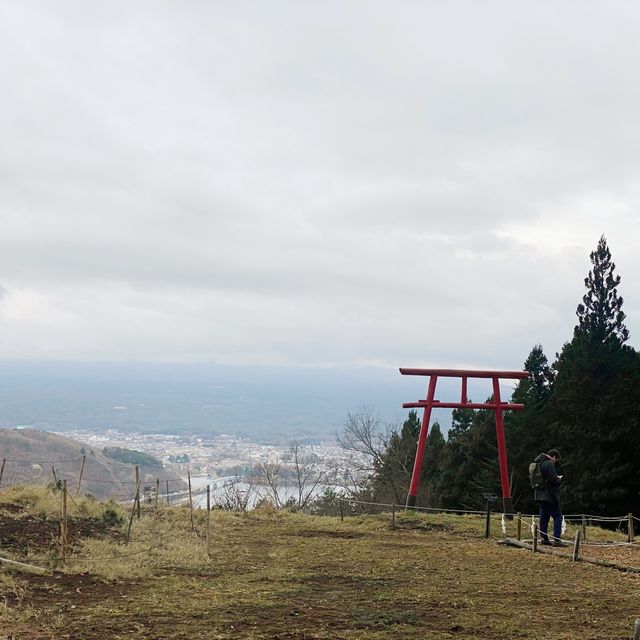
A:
(497, 405)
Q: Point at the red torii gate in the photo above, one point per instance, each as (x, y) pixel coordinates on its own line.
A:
(496, 405)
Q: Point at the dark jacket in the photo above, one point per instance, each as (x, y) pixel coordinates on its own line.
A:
(548, 493)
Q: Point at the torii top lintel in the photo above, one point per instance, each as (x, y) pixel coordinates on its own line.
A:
(464, 374)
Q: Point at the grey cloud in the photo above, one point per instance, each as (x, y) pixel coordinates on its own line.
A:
(283, 184)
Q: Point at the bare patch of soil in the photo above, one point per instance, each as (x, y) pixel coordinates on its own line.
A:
(32, 533)
(627, 555)
(11, 507)
(346, 535)
(62, 591)
(421, 525)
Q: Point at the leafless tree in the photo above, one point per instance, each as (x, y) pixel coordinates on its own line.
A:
(352, 483)
(236, 497)
(269, 476)
(293, 481)
(307, 475)
(367, 436)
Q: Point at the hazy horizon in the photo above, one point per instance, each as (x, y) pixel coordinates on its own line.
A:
(261, 402)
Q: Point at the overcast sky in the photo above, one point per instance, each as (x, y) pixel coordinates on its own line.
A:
(313, 183)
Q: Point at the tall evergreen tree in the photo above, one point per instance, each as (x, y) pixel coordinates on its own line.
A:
(461, 420)
(469, 463)
(585, 404)
(411, 428)
(600, 315)
(526, 429)
(537, 387)
(432, 471)
(593, 408)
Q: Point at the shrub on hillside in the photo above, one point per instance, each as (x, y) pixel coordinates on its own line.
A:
(131, 456)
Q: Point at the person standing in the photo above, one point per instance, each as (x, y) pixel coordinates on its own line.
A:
(547, 495)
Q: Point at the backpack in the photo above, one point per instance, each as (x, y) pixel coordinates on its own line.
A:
(538, 481)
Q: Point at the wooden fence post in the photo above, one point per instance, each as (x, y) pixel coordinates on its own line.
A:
(584, 528)
(519, 526)
(4, 460)
(80, 476)
(193, 527)
(535, 536)
(55, 477)
(208, 517)
(487, 526)
(576, 546)
(155, 506)
(393, 516)
(341, 511)
(630, 532)
(63, 524)
(137, 500)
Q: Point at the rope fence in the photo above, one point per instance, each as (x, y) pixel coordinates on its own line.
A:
(586, 523)
(131, 493)
(31, 462)
(568, 518)
(183, 492)
(10, 477)
(154, 542)
(163, 538)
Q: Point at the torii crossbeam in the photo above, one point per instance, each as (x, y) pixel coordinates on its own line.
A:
(430, 402)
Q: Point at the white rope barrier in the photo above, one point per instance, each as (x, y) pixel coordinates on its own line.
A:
(401, 506)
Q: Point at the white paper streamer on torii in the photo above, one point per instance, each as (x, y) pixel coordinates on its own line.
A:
(503, 524)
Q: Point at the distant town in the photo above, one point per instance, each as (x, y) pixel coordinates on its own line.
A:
(218, 456)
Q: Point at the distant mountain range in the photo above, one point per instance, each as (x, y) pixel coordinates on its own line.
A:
(262, 403)
(37, 457)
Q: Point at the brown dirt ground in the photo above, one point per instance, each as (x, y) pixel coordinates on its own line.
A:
(68, 590)
(28, 533)
(312, 606)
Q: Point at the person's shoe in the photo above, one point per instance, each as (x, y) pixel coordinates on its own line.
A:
(560, 543)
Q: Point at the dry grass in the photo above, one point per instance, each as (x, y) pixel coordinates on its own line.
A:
(45, 501)
(290, 576)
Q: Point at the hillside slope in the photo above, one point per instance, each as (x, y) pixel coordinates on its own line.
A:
(31, 454)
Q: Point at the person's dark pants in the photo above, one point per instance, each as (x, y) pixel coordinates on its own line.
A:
(550, 510)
